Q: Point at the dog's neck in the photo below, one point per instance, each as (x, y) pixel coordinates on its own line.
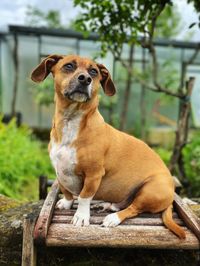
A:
(67, 112)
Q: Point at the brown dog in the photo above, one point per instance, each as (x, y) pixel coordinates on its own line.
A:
(94, 160)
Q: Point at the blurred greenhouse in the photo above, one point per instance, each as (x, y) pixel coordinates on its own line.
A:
(22, 48)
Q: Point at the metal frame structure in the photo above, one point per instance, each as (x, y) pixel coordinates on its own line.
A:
(17, 31)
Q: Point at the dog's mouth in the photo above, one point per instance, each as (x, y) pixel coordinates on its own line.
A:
(78, 94)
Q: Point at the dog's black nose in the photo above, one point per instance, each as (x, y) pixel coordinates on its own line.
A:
(84, 79)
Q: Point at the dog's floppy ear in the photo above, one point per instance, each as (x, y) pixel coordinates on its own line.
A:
(44, 68)
(106, 81)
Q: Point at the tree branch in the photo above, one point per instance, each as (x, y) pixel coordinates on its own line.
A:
(156, 87)
(144, 83)
(152, 50)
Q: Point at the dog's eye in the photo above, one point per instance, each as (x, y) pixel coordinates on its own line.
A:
(93, 72)
(69, 66)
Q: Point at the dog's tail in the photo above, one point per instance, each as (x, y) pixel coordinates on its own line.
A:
(170, 224)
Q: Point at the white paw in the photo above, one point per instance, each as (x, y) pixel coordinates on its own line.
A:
(64, 204)
(111, 220)
(81, 219)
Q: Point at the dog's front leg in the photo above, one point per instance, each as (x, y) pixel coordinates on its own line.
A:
(90, 187)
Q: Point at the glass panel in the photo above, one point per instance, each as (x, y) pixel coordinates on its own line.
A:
(194, 71)
(56, 45)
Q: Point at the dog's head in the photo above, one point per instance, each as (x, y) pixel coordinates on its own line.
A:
(76, 78)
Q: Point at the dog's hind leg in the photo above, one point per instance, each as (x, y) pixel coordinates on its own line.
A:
(154, 196)
(67, 201)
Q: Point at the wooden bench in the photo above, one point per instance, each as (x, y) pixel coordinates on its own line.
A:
(53, 228)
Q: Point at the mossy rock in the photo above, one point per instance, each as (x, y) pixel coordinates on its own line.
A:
(11, 229)
(7, 203)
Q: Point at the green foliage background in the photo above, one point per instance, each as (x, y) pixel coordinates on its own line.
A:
(22, 160)
(191, 157)
(44, 92)
(191, 163)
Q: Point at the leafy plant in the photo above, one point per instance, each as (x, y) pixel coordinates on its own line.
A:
(22, 160)
(117, 22)
(191, 158)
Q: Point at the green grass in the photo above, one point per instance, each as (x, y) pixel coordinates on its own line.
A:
(22, 160)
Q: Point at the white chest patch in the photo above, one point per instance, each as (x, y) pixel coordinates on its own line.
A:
(63, 155)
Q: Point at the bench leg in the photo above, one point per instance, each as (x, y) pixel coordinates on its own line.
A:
(29, 256)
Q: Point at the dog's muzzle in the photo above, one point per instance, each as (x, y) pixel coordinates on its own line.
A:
(79, 89)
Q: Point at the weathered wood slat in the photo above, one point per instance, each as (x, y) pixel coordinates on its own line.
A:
(28, 248)
(42, 225)
(120, 236)
(99, 220)
(102, 214)
(190, 219)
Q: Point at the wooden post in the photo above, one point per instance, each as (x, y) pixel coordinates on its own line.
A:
(42, 187)
(29, 256)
